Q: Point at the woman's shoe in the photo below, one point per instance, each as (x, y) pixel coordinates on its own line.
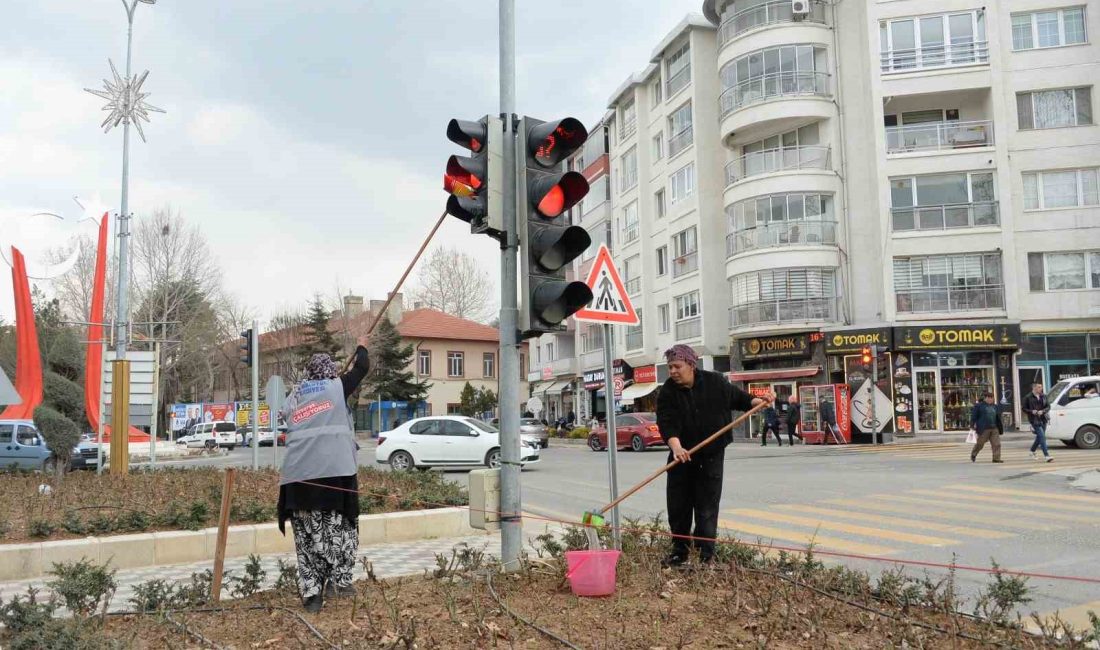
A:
(313, 603)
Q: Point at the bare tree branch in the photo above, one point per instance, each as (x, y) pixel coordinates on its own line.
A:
(453, 282)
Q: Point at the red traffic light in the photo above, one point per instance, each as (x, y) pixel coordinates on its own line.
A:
(550, 142)
(465, 171)
(553, 195)
(466, 133)
(866, 354)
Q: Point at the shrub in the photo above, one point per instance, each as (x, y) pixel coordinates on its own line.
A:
(63, 395)
(252, 581)
(60, 432)
(579, 433)
(83, 586)
(41, 528)
(153, 596)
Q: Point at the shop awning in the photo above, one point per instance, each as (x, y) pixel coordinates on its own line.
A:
(540, 387)
(557, 387)
(631, 393)
(777, 373)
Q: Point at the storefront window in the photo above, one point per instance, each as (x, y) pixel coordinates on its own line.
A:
(1067, 347)
(1033, 348)
(947, 386)
(1061, 372)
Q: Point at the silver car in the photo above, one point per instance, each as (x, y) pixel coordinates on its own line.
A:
(536, 429)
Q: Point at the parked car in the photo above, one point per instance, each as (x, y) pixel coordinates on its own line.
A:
(536, 429)
(635, 431)
(211, 434)
(1075, 412)
(447, 441)
(85, 456)
(267, 437)
(23, 447)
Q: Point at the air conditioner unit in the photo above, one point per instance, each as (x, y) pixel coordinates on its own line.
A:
(800, 8)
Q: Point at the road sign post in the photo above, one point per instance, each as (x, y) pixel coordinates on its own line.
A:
(275, 390)
(610, 305)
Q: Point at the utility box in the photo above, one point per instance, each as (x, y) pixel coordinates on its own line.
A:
(485, 499)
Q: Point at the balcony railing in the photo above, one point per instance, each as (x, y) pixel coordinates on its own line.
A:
(775, 160)
(786, 233)
(770, 86)
(935, 56)
(565, 366)
(677, 81)
(634, 339)
(766, 14)
(944, 217)
(784, 311)
(951, 299)
(633, 286)
(630, 233)
(685, 264)
(628, 129)
(680, 141)
(689, 329)
(938, 136)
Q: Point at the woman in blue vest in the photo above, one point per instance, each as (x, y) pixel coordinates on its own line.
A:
(319, 480)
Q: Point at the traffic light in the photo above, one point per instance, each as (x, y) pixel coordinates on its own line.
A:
(548, 242)
(866, 355)
(476, 182)
(246, 347)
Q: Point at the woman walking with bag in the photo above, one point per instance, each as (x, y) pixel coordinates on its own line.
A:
(319, 480)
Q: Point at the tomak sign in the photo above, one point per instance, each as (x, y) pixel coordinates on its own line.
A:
(771, 347)
(852, 341)
(957, 337)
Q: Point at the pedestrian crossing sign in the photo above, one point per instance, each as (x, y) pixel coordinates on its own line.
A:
(610, 304)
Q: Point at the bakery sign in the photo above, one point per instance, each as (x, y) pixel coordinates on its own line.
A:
(957, 337)
(772, 347)
(852, 341)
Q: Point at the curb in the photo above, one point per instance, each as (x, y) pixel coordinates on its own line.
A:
(22, 561)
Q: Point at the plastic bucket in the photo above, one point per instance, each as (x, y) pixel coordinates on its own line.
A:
(591, 573)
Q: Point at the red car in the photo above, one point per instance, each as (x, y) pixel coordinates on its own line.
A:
(636, 431)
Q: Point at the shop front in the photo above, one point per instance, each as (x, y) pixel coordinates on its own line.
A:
(641, 396)
(779, 364)
(940, 371)
(875, 405)
(622, 373)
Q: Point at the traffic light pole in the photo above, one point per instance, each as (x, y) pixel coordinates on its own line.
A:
(511, 522)
(874, 393)
(612, 433)
(256, 397)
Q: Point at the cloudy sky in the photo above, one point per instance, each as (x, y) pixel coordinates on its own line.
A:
(305, 139)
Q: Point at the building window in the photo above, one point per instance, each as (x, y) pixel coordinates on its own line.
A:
(599, 192)
(1065, 271)
(795, 219)
(662, 261)
(940, 201)
(1053, 109)
(663, 324)
(599, 236)
(628, 170)
(628, 122)
(630, 222)
(634, 334)
(592, 337)
(773, 72)
(523, 369)
(632, 275)
(933, 41)
(424, 363)
(658, 146)
(688, 322)
(685, 252)
(456, 364)
(454, 409)
(679, 129)
(935, 130)
(655, 92)
(1053, 28)
(678, 69)
(488, 365)
(659, 203)
(783, 296)
(1069, 188)
(944, 283)
(798, 149)
(682, 182)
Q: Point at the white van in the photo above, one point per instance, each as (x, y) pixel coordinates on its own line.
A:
(1075, 412)
(211, 434)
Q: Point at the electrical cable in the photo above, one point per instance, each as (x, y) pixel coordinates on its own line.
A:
(513, 614)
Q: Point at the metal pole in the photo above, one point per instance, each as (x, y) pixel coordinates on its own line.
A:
(511, 528)
(874, 393)
(612, 436)
(256, 395)
(156, 405)
(102, 404)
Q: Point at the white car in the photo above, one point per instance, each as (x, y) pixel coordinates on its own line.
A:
(266, 438)
(446, 440)
(211, 434)
(1075, 412)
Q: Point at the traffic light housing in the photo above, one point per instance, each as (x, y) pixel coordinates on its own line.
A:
(867, 355)
(548, 243)
(245, 347)
(476, 182)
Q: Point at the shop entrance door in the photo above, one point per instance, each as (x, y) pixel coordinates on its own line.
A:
(783, 390)
(1025, 377)
(927, 403)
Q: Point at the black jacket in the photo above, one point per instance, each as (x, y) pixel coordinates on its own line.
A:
(1033, 403)
(828, 413)
(693, 414)
(986, 416)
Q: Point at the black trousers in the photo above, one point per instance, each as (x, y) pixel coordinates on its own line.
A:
(694, 491)
(774, 428)
(792, 433)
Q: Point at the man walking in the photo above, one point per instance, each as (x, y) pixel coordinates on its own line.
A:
(771, 424)
(691, 405)
(1037, 409)
(794, 419)
(986, 422)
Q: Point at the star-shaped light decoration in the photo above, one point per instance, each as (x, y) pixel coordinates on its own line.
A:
(125, 101)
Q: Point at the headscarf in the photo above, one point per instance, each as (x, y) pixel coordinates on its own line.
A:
(681, 352)
(321, 366)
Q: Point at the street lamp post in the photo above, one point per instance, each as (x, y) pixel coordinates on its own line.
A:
(126, 104)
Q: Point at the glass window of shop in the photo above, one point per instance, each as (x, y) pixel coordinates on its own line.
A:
(1050, 358)
(947, 386)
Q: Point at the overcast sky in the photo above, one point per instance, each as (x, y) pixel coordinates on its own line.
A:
(307, 143)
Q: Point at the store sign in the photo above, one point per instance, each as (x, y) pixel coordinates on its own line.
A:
(852, 341)
(547, 373)
(593, 379)
(760, 390)
(645, 375)
(774, 347)
(957, 337)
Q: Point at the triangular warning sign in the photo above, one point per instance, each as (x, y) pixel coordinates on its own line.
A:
(610, 304)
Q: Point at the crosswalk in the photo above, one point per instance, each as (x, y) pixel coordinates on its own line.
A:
(1015, 458)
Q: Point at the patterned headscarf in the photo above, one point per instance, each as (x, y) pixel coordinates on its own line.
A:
(681, 352)
(321, 366)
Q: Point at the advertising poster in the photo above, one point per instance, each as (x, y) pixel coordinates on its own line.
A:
(244, 414)
(218, 412)
(179, 417)
(858, 377)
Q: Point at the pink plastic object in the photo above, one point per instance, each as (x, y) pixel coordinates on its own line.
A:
(591, 573)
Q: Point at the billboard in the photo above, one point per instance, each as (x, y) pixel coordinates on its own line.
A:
(219, 412)
(244, 414)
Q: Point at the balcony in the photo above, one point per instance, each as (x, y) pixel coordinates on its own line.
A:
(566, 366)
(943, 55)
(633, 286)
(766, 14)
(785, 233)
(784, 311)
(951, 299)
(939, 136)
(630, 233)
(685, 264)
(677, 81)
(628, 129)
(691, 328)
(777, 160)
(945, 217)
(771, 86)
(680, 141)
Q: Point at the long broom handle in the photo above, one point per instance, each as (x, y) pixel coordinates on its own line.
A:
(714, 436)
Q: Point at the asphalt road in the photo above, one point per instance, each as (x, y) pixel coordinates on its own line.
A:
(922, 501)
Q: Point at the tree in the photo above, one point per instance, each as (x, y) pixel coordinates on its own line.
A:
(390, 375)
(74, 288)
(468, 401)
(318, 338)
(486, 400)
(285, 327)
(453, 282)
(61, 434)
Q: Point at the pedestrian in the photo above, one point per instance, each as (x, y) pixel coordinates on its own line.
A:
(319, 480)
(771, 423)
(1038, 413)
(571, 418)
(986, 422)
(693, 404)
(828, 420)
(794, 419)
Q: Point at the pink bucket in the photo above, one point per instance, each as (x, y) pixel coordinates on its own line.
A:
(592, 573)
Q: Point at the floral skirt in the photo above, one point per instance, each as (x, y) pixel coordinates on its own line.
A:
(326, 543)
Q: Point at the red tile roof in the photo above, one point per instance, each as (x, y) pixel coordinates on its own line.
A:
(432, 324)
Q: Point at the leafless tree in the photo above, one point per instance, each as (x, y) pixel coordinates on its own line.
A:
(285, 336)
(453, 282)
(73, 290)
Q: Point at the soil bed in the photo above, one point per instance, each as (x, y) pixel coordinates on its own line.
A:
(83, 503)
